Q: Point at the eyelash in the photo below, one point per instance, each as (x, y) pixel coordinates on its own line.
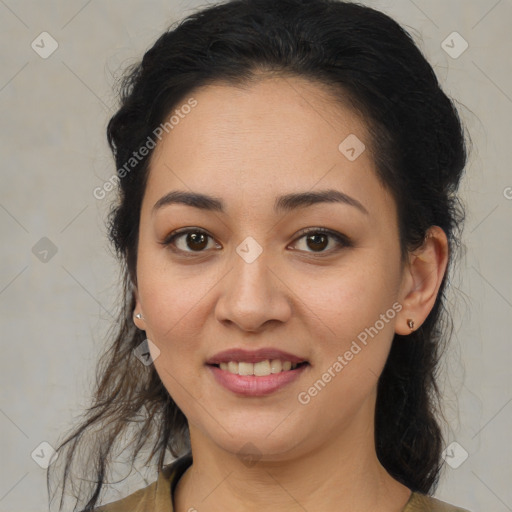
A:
(341, 239)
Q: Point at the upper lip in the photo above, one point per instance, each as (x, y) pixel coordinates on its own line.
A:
(253, 356)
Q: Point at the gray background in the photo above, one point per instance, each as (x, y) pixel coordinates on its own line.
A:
(55, 313)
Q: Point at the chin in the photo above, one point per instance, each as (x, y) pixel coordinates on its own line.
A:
(259, 445)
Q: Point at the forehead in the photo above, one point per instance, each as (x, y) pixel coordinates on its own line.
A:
(249, 144)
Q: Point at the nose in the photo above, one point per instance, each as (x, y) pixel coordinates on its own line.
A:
(253, 295)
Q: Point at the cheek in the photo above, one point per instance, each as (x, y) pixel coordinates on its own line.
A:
(174, 310)
(170, 296)
(354, 328)
(350, 301)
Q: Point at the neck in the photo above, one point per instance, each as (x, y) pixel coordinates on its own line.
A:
(341, 474)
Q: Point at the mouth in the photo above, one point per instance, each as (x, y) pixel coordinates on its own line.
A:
(256, 379)
(259, 369)
(258, 372)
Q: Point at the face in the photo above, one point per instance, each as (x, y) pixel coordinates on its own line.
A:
(251, 276)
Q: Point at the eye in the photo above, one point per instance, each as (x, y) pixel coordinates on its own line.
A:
(197, 240)
(318, 239)
(192, 238)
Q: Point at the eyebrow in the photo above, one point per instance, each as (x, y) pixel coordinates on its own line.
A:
(284, 203)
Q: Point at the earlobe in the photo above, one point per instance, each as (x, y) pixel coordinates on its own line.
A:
(138, 320)
(138, 317)
(424, 275)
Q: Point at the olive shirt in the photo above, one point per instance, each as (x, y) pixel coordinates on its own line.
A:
(157, 497)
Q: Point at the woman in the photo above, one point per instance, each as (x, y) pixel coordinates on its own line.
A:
(287, 218)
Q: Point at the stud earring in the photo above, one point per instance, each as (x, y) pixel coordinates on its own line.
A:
(410, 323)
(139, 316)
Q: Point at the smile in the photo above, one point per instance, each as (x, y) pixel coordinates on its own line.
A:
(270, 378)
(260, 369)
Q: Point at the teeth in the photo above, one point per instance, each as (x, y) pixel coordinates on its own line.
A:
(276, 366)
(259, 369)
(245, 368)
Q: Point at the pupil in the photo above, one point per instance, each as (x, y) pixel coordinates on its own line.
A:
(315, 239)
(194, 238)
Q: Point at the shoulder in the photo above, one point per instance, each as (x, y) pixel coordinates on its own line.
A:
(156, 496)
(423, 503)
(135, 502)
(140, 501)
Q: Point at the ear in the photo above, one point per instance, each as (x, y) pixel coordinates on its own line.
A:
(139, 322)
(422, 279)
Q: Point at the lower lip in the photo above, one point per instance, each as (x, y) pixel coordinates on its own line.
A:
(251, 385)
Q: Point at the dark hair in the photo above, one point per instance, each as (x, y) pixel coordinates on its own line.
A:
(418, 145)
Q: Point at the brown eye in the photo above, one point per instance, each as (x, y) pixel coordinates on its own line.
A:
(196, 241)
(317, 240)
(189, 240)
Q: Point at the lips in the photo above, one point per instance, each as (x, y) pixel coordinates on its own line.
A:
(253, 356)
(256, 386)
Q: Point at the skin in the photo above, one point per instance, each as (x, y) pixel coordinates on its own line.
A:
(247, 146)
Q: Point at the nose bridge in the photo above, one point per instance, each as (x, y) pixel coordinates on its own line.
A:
(252, 295)
(251, 278)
